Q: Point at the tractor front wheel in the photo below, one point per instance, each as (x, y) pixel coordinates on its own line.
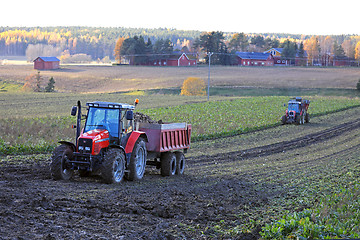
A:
(113, 166)
(59, 166)
(137, 161)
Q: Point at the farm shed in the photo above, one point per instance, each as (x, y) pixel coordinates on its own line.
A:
(46, 63)
(254, 59)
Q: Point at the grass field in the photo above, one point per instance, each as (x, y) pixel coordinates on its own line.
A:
(96, 79)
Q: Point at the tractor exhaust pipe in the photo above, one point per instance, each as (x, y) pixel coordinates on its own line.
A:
(78, 122)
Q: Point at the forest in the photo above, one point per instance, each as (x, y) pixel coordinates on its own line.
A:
(98, 43)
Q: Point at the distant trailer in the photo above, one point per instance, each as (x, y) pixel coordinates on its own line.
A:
(46, 63)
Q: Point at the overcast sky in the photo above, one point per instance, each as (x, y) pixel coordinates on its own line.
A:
(319, 17)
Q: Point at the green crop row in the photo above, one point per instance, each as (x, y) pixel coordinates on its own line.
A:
(226, 118)
(209, 120)
(336, 216)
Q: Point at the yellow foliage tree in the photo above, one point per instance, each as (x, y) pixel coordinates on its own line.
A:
(357, 51)
(193, 86)
(117, 49)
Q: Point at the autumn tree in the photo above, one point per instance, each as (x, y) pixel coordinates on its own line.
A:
(349, 48)
(32, 83)
(117, 50)
(193, 86)
(312, 48)
(357, 51)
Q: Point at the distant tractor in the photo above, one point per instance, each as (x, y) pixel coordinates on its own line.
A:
(296, 111)
(113, 144)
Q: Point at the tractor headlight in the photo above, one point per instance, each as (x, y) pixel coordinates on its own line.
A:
(87, 148)
(81, 148)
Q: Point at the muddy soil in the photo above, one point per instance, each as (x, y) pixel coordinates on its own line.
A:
(190, 206)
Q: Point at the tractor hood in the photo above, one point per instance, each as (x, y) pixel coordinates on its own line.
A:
(96, 134)
(93, 141)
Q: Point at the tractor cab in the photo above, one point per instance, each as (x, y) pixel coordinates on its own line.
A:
(116, 118)
(294, 105)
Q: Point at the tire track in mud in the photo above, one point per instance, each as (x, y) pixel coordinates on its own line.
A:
(279, 147)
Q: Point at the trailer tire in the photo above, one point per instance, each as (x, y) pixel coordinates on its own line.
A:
(59, 167)
(137, 161)
(180, 163)
(168, 164)
(113, 166)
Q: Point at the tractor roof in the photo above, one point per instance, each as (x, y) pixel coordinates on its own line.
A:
(110, 105)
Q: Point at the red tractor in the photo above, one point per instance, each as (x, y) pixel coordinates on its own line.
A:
(112, 143)
(296, 111)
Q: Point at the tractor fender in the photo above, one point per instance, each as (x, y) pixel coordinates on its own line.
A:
(132, 140)
(70, 144)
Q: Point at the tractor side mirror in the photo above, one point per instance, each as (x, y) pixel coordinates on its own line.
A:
(129, 115)
(284, 105)
(73, 111)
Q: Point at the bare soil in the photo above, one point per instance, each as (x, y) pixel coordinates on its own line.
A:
(227, 194)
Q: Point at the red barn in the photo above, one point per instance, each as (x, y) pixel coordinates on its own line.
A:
(46, 63)
(178, 59)
(254, 59)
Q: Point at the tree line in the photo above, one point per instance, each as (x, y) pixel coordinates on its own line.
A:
(99, 43)
(310, 51)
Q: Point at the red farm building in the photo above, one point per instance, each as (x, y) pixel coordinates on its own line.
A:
(178, 59)
(46, 63)
(254, 59)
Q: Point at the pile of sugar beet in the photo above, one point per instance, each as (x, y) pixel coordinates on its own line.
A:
(143, 118)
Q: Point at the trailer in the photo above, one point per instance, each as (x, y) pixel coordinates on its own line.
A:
(113, 143)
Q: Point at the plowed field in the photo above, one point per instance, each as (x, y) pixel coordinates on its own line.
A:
(231, 188)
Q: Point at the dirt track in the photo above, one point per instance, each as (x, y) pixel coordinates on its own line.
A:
(220, 192)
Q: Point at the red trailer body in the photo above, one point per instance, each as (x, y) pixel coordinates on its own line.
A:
(166, 137)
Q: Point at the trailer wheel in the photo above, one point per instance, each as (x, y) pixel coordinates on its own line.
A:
(137, 161)
(113, 166)
(59, 166)
(302, 119)
(168, 164)
(180, 163)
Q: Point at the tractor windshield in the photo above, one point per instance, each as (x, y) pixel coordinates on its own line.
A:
(103, 118)
(293, 107)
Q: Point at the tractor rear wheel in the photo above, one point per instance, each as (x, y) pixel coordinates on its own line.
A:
(113, 166)
(180, 163)
(137, 161)
(168, 164)
(307, 118)
(59, 166)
